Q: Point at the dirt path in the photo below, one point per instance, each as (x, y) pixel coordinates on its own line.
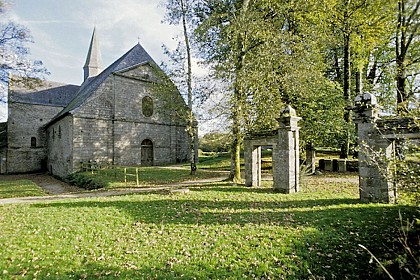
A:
(50, 184)
(60, 190)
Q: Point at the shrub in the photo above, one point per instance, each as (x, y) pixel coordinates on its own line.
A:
(86, 181)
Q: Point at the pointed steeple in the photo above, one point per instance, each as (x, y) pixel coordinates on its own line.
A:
(93, 64)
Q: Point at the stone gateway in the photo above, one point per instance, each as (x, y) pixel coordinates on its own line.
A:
(114, 116)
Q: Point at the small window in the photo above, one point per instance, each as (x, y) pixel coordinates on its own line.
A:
(33, 142)
(147, 106)
(59, 132)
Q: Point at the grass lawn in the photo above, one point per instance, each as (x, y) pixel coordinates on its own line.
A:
(148, 176)
(19, 188)
(219, 161)
(218, 231)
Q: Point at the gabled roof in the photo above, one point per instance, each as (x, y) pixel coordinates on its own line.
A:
(134, 56)
(44, 93)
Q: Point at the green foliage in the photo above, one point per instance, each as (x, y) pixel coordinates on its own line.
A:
(214, 142)
(408, 170)
(19, 188)
(215, 231)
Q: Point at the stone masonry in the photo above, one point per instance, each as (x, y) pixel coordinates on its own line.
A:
(377, 141)
(285, 143)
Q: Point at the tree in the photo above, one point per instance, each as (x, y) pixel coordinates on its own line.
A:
(289, 68)
(358, 27)
(271, 53)
(14, 53)
(407, 50)
(179, 11)
(223, 40)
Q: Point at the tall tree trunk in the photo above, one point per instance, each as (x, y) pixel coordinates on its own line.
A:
(345, 147)
(235, 163)
(400, 52)
(191, 123)
(237, 114)
(235, 171)
(407, 31)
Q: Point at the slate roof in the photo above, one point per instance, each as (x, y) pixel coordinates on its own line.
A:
(136, 55)
(46, 93)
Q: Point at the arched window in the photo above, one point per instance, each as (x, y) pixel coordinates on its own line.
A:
(147, 106)
(33, 142)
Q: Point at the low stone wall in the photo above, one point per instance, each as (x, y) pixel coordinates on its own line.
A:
(338, 165)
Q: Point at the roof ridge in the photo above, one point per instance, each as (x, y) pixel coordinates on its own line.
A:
(138, 55)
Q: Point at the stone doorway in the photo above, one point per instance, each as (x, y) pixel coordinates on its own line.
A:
(285, 154)
(147, 152)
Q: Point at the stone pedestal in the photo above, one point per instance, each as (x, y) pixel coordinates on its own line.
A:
(376, 183)
(328, 165)
(310, 159)
(342, 165)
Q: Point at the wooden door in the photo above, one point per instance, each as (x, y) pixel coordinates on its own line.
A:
(147, 153)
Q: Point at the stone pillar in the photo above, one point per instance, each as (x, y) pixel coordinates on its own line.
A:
(375, 181)
(310, 158)
(286, 169)
(252, 156)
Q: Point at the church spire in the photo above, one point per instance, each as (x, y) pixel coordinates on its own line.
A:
(93, 64)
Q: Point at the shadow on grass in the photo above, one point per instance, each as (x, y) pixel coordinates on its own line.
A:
(323, 234)
(192, 211)
(230, 187)
(319, 235)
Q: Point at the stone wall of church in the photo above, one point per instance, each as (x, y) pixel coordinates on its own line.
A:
(60, 147)
(131, 88)
(97, 136)
(27, 142)
(99, 105)
(170, 143)
(92, 140)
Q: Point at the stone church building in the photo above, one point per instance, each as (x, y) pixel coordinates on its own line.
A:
(114, 116)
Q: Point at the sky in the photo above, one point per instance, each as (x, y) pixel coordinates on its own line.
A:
(62, 30)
